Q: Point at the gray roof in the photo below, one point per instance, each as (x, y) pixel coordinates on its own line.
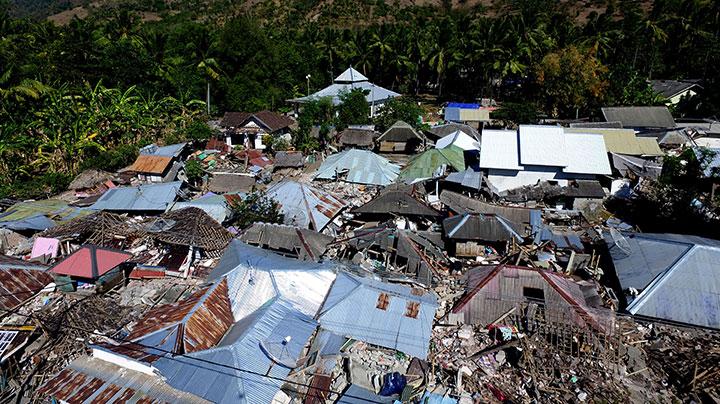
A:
(469, 178)
(400, 132)
(344, 83)
(358, 137)
(713, 161)
(603, 125)
(360, 166)
(350, 309)
(285, 159)
(244, 347)
(217, 206)
(521, 218)
(640, 117)
(230, 182)
(452, 127)
(677, 275)
(359, 395)
(151, 197)
(172, 150)
(304, 205)
(472, 226)
(671, 88)
(302, 243)
(397, 199)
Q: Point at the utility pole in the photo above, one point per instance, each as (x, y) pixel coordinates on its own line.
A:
(308, 84)
(207, 102)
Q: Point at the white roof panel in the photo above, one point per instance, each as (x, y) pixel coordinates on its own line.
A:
(586, 154)
(350, 76)
(542, 146)
(499, 150)
(459, 139)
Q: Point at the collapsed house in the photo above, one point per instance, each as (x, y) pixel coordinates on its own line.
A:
(20, 280)
(433, 163)
(291, 160)
(305, 206)
(358, 166)
(293, 241)
(226, 182)
(670, 277)
(495, 292)
(401, 137)
(28, 217)
(140, 199)
(91, 183)
(470, 233)
(397, 200)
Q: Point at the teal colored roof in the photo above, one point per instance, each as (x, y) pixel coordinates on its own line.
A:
(424, 165)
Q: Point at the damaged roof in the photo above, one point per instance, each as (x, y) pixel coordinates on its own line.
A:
(89, 179)
(222, 183)
(521, 218)
(358, 137)
(302, 243)
(150, 197)
(20, 280)
(304, 205)
(256, 276)
(473, 226)
(90, 262)
(397, 199)
(151, 164)
(389, 315)
(677, 275)
(190, 226)
(469, 178)
(285, 159)
(358, 166)
(427, 164)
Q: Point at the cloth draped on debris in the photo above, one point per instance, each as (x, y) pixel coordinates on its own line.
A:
(304, 205)
(358, 166)
(428, 163)
(388, 315)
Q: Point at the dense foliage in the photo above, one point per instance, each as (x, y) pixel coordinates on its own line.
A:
(256, 207)
(72, 94)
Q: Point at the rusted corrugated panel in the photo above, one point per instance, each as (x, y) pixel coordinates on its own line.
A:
(87, 390)
(17, 285)
(319, 388)
(151, 164)
(106, 394)
(165, 315)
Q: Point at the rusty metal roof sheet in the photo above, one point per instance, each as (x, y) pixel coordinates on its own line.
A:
(89, 380)
(304, 205)
(20, 280)
(151, 164)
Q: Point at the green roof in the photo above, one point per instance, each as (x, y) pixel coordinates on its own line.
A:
(52, 208)
(425, 164)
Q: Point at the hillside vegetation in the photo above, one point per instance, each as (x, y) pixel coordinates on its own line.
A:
(87, 93)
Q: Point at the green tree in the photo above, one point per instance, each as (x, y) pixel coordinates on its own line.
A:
(353, 109)
(398, 109)
(516, 113)
(256, 207)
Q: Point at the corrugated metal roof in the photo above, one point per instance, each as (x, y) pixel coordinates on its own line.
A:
(676, 274)
(255, 276)
(250, 348)
(452, 114)
(471, 226)
(400, 132)
(303, 243)
(217, 206)
(474, 115)
(172, 150)
(500, 150)
(623, 141)
(469, 178)
(350, 76)
(542, 146)
(375, 93)
(304, 205)
(649, 146)
(151, 197)
(713, 161)
(359, 395)
(520, 217)
(350, 309)
(426, 164)
(360, 166)
(90, 262)
(586, 154)
(88, 380)
(450, 127)
(397, 199)
(37, 215)
(640, 117)
(151, 164)
(20, 280)
(501, 181)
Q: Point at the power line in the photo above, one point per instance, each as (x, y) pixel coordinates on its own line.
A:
(174, 355)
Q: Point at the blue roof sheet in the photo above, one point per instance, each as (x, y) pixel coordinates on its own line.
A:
(452, 114)
(463, 105)
(151, 197)
(350, 309)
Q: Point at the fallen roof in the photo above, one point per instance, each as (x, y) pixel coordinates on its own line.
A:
(256, 276)
(90, 262)
(151, 164)
(521, 218)
(359, 166)
(231, 182)
(405, 322)
(473, 226)
(89, 179)
(100, 228)
(400, 132)
(671, 88)
(397, 199)
(676, 274)
(304, 205)
(191, 226)
(426, 164)
(219, 207)
(20, 280)
(305, 244)
(469, 178)
(88, 380)
(640, 117)
(250, 363)
(150, 197)
(285, 159)
(50, 208)
(451, 127)
(459, 139)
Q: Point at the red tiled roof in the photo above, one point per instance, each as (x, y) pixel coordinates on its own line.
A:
(90, 262)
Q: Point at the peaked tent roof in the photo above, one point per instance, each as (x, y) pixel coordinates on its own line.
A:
(424, 165)
(677, 274)
(361, 166)
(90, 262)
(397, 199)
(350, 76)
(459, 139)
(350, 309)
(304, 205)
